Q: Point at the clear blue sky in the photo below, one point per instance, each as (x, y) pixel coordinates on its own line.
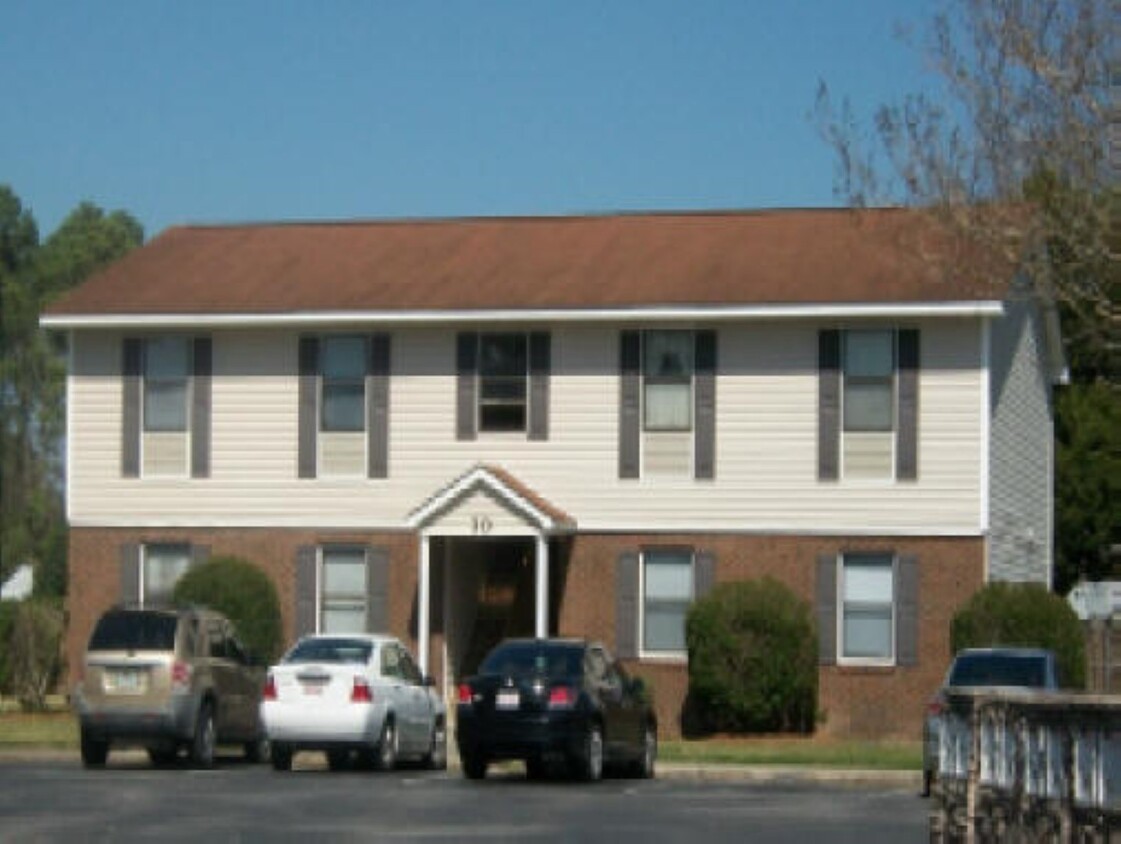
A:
(226, 111)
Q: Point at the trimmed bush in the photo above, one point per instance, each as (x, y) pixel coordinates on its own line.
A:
(34, 645)
(752, 659)
(244, 594)
(1023, 615)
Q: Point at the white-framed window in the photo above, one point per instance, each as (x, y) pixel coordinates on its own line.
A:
(667, 592)
(503, 382)
(866, 612)
(342, 404)
(343, 573)
(167, 371)
(869, 380)
(667, 383)
(162, 564)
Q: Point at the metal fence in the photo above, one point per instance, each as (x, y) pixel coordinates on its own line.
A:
(1028, 767)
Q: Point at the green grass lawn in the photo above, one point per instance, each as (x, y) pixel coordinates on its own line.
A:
(874, 755)
(59, 729)
(38, 729)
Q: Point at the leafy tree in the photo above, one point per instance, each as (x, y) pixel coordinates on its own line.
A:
(243, 593)
(752, 659)
(32, 375)
(1023, 615)
(1088, 467)
(1009, 149)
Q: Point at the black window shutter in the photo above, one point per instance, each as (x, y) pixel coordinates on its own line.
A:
(626, 605)
(828, 404)
(540, 362)
(202, 376)
(131, 364)
(130, 573)
(377, 590)
(306, 597)
(377, 399)
(466, 366)
(826, 609)
(309, 404)
(907, 443)
(704, 573)
(630, 402)
(907, 606)
(704, 401)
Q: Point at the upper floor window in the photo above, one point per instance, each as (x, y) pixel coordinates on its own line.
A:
(869, 380)
(167, 371)
(667, 367)
(343, 387)
(503, 376)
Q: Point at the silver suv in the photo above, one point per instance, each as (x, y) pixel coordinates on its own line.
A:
(165, 680)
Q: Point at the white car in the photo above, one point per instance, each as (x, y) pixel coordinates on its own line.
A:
(356, 697)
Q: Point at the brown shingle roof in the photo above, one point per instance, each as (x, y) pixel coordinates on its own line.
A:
(589, 262)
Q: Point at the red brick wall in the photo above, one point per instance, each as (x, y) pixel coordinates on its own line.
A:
(853, 701)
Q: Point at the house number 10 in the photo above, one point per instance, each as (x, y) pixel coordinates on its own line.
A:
(481, 524)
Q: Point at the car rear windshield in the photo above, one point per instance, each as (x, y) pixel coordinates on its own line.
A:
(999, 670)
(518, 659)
(356, 651)
(134, 631)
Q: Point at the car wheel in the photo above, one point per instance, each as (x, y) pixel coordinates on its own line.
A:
(644, 767)
(281, 757)
(387, 746)
(474, 766)
(94, 751)
(202, 745)
(257, 750)
(589, 764)
(437, 757)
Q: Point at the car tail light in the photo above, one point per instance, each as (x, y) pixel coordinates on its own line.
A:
(269, 692)
(361, 692)
(464, 694)
(562, 697)
(180, 674)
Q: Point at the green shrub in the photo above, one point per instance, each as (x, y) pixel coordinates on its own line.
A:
(7, 617)
(34, 645)
(752, 659)
(1023, 615)
(244, 594)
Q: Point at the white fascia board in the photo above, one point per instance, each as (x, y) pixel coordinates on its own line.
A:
(637, 314)
(480, 477)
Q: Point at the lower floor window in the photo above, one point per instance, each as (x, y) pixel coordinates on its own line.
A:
(868, 600)
(667, 592)
(162, 567)
(343, 591)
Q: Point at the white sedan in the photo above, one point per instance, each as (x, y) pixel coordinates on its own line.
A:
(356, 697)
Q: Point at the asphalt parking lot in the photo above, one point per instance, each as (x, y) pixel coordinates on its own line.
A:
(52, 798)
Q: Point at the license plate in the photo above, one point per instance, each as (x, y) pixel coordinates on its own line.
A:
(312, 689)
(125, 682)
(507, 699)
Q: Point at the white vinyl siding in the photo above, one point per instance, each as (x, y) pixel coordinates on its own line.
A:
(766, 477)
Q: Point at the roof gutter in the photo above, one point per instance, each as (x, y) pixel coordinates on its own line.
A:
(711, 313)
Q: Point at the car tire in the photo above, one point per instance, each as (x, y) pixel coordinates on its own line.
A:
(94, 751)
(387, 746)
(257, 750)
(204, 740)
(436, 759)
(474, 766)
(281, 757)
(644, 767)
(589, 764)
